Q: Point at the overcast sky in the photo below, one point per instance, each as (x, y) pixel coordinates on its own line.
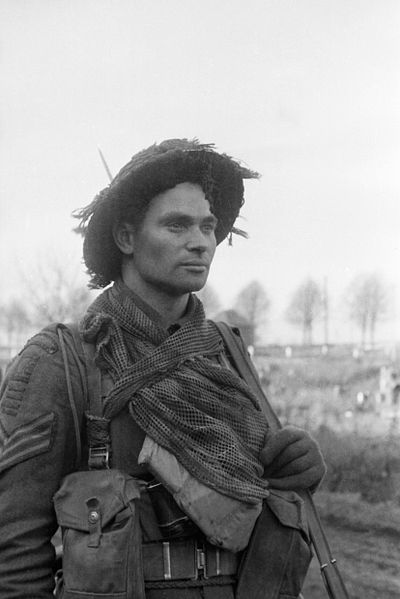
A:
(306, 92)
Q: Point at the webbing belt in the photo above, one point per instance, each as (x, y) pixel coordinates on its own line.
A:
(186, 559)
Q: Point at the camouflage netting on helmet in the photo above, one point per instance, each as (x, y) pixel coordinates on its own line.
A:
(177, 392)
(149, 173)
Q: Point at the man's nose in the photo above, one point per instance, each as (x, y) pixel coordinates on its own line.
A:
(197, 241)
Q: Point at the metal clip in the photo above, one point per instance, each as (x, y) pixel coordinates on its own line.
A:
(167, 560)
(218, 561)
(94, 521)
(99, 457)
(201, 562)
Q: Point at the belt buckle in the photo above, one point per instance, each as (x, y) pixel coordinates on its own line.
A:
(221, 562)
(200, 555)
(216, 555)
(166, 560)
(99, 457)
(169, 557)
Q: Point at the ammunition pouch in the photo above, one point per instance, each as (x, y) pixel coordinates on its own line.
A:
(98, 514)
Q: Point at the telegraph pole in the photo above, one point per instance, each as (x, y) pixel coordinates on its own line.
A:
(325, 304)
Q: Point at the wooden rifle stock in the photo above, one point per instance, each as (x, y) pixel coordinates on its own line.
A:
(329, 570)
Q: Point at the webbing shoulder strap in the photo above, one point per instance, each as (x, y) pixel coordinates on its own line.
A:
(76, 410)
(97, 426)
(330, 573)
(92, 379)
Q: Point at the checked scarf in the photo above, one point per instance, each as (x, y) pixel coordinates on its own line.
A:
(179, 394)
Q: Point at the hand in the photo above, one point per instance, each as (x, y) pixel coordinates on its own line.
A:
(292, 460)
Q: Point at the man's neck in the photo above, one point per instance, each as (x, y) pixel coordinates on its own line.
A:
(169, 308)
(170, 311)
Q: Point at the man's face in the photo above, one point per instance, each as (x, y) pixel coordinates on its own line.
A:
(174, 246)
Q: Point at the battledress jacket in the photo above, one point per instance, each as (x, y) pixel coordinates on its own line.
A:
(37, 450)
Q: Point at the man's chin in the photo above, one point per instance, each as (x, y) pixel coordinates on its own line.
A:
(197, 285)
(188, 287)
(191, 289)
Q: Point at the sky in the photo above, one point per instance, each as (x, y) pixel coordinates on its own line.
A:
(306, 92)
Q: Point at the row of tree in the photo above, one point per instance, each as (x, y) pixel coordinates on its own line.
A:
(366, 301)
(56, 294)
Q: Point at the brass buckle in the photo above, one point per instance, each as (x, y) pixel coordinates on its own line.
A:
(200, 567)
(200, 561)
(166, 560)
(218, 561)
(99, 457)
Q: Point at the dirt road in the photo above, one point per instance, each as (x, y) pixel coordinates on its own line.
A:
(370, 565)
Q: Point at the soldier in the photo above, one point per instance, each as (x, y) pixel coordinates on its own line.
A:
(168, 388)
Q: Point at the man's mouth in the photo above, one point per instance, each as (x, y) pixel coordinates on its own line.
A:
(195, 266)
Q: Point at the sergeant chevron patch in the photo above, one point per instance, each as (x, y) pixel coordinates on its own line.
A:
(25, 441)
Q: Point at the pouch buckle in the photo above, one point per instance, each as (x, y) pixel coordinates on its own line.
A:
(94, 521)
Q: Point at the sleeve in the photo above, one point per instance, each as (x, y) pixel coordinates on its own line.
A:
(37, 449)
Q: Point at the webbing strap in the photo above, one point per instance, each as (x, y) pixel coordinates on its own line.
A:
(97, 427)
(94, 381)
(74, 410)
(246, 369)
(93, 373)
(330, 573)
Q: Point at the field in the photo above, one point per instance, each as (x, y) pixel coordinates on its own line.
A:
(365, 540)
(369, 564)
(314, 389)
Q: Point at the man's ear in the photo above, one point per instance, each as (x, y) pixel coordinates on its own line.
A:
(124, 237)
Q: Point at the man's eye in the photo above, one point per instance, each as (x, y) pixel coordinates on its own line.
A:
(208, 228)
(176, 226)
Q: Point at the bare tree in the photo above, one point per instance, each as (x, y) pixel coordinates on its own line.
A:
(56, 292)
(14, 321)
(305, 307)
(367, 299)
(210, 300)
(253, 303)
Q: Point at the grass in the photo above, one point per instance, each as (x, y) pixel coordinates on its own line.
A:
(346, 510)
(364, 539)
